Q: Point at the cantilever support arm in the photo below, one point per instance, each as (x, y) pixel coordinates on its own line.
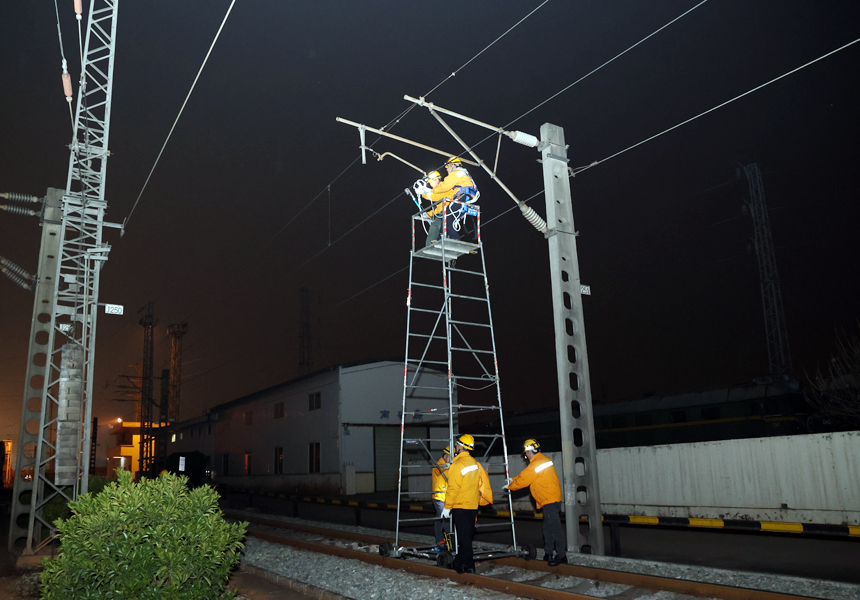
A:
(398, 138)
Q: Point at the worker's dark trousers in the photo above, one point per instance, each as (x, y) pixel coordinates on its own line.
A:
(441, 524)
(553, 533)
(464, 523)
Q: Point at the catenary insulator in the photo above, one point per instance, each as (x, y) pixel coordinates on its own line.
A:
(16, 279)
(533, 218)
(79, 8)
(20, 197)
(67, 82)
(19, 210)
(525, 139)
(5, 262)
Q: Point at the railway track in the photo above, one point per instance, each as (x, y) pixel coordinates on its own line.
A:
(514, 576)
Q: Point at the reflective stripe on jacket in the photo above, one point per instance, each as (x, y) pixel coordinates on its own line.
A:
(541, 477)
(463, 480)
(440, 484)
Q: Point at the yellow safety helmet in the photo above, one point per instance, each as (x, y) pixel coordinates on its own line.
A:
(434, 175)
(447, 450)
(454, 160)
(531, 444)
(467, 441)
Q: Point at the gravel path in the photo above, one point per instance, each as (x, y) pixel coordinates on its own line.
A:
(355, 579)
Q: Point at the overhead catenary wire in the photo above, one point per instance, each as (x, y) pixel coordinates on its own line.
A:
(182, 108)
(722, 104)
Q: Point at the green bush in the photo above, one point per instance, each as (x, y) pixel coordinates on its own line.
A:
(144, 541)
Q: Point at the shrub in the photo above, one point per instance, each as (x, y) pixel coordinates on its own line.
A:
(150, 540)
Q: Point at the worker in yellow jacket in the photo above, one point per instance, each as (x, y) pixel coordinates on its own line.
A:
(440, 487)
(461, 501)
(443, 192)
(542, 480)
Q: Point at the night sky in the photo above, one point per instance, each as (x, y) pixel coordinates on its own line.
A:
(238, 215)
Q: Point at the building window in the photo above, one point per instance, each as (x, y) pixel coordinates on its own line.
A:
(314, 400)
(679, 416)
(225, 464)
(711, 414)
(249, 417)
(173, 438)
(181, 434)
(279, 410)
(279, 460)
(642, 420)
(314, 457)
(248, 458)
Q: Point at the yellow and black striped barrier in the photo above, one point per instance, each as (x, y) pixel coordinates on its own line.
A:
(735, 524)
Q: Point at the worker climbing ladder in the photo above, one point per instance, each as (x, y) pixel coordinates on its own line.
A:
(450, 331)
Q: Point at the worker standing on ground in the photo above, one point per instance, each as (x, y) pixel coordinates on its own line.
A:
(440, 487)
(444, 191)
(461, 501)
(542, 480)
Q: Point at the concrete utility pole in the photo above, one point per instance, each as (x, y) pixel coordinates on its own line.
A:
(579, 451)
(775, 330)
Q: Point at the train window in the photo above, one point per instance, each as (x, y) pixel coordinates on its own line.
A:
(642, 420)
(711, 414)
(618, 422)
(679, 416)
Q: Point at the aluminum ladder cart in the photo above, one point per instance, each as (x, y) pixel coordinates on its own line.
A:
(450, 370)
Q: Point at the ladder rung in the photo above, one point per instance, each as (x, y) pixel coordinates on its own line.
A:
(467, 271)
(429, 362)
(426, 387)
(464, 297)
(482, 407)
(427, 285)
(473, 350)
(472, 378)
(432, 337)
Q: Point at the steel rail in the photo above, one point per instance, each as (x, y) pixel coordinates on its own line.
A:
(651, 582)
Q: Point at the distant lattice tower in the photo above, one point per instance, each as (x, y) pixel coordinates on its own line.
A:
(305, 360)
(147, 435)
(176, 331)
(771, 293)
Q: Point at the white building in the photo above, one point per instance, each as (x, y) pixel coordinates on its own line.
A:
(336, 430)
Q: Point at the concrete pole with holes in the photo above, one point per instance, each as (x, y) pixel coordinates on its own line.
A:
(579, 452)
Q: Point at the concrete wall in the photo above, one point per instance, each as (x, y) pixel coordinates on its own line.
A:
(803, 478)
(797, 479)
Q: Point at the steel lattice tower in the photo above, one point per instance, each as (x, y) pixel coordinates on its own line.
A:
(305, 360)
(53, 448)
(771, 295)
(176, 331)
(147, 436)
